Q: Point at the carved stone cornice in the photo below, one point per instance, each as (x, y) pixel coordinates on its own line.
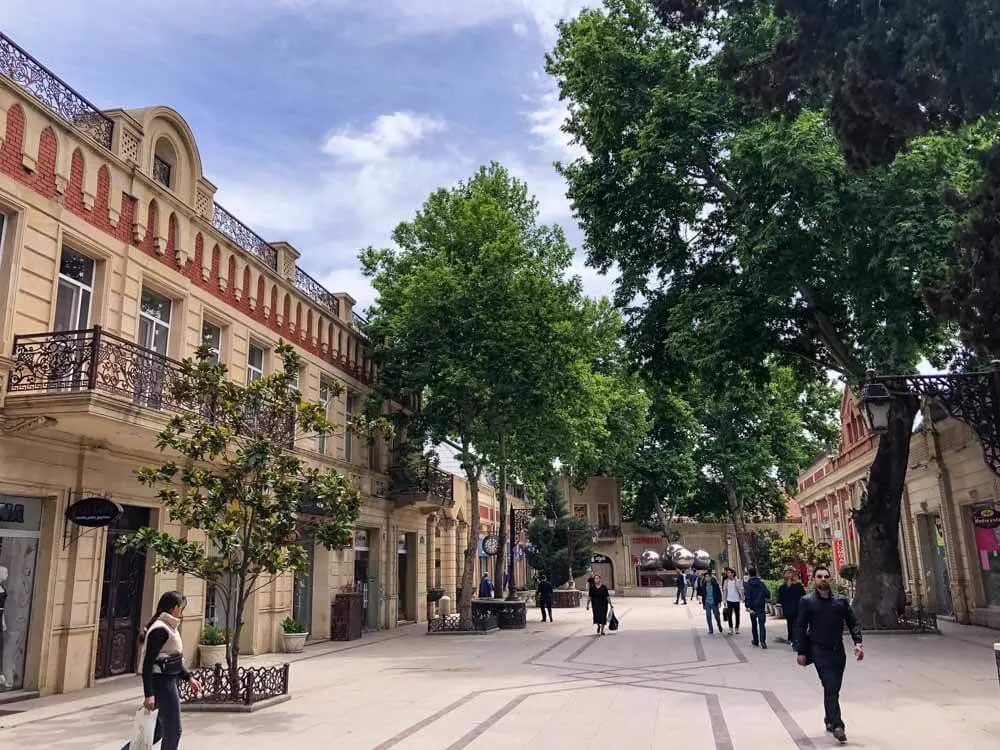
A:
(21, 425)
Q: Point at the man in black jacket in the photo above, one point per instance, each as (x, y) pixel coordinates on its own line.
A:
(545, 597)
(820, 641)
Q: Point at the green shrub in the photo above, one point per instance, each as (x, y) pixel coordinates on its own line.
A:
(291, 626)
(772, 586)
(849, 572)
(213, 636)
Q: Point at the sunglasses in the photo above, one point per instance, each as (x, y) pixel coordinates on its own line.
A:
(822, 576)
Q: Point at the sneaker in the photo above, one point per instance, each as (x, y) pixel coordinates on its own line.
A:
(840, 735)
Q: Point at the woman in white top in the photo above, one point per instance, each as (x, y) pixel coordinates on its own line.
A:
(732, 592)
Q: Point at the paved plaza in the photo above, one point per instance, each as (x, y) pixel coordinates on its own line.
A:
(660, 682)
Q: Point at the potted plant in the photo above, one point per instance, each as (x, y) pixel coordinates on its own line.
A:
(212, 646)
(294, 635)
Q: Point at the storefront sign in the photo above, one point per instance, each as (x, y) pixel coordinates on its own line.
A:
(93, 512)
(986, 518)
(642, 541)
(838, 554)
(596, 559)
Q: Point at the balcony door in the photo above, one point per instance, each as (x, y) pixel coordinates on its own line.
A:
(151, 359)
(73, 301)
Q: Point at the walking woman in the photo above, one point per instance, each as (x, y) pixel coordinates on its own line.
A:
(600, 599)
(163, 666)
(790, 593)
(733, 588)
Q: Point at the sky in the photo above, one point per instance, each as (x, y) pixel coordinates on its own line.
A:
(327, 122)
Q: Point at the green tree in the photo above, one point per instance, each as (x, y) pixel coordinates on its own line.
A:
(767, 566)
(237, 482)
(798, 549)
(474, 315)
(558, 541)
(885, 72)
(746, 241)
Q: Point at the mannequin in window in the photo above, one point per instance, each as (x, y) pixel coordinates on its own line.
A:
(3, 621)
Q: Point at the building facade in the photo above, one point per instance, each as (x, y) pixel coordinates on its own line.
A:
(950, 520)
(115, 263)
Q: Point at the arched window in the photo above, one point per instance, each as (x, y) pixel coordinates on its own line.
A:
(165, 163)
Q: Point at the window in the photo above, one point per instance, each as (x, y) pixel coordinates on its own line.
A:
(296, 379)
(161, 170)
(327, 391)
(3, 221)
(580, 511)
(211, 336)
(255, 363)
(76, 288)
(154, 321)
(604, 516)
(349, 412)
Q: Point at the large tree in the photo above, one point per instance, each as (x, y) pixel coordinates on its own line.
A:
(747, 240)
(476, 316)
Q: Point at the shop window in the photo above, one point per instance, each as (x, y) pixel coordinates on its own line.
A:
(20, 532)
(986, 524)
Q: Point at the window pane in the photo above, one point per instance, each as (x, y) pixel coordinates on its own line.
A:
(66, 306)
(74, 266)
(256, 357)
(155, 305)
(211, 336)
(160, 337)
(83, 318)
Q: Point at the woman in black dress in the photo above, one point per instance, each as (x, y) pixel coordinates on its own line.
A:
(600, 600)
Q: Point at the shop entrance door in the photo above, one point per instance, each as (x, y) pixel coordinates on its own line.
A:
(121, 599)
(403, 577)
(940, 582)
(20, 531)
(302, 595)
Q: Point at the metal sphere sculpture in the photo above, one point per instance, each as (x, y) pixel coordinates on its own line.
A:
(650, 560)
(683, 558)
(702, 560)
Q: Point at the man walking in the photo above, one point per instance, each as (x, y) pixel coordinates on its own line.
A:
(681, 588)
(486, 587)
(756, 595)
(712, 599)
(545, 597)
(820, 640)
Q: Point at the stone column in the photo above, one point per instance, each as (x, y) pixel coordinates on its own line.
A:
(449, 572)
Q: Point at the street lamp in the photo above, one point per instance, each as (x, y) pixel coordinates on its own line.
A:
(970, 397)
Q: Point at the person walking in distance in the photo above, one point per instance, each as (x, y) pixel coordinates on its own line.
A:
(819, 640)
(712, 599)
(789, 595)
(590, 586)
(163, 666)
(756, 595)
(545, 597)
(692, 580)
(486, 587)
(733, 591)
(681, 588)
(600, 599)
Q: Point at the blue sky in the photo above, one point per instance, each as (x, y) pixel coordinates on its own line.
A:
(326, 122)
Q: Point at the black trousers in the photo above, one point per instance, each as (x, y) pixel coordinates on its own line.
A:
(546, 606)
(168, 720)
(790, 625)
(732, 611)
(830, 664)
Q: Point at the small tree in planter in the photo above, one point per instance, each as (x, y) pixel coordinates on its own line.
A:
(212, 646)
(238, 482)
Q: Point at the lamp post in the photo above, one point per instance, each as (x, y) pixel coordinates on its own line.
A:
(970, 397)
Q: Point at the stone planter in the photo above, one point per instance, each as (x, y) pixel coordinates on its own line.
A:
(566, 598)
(209, 656)
(294, 642)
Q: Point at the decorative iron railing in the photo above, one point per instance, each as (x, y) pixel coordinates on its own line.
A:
(430, 483)
(244, 236)
(45, 86)
(317, 292)
(606, 532)
(71, 362)
(255, 684)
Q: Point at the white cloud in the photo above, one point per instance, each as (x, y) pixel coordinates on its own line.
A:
(388, 135)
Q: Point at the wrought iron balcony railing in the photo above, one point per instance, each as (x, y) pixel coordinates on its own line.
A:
(244, 237)
(71, 362)
(606, 532)
(317, 292)
(49, 89)
(426, 484)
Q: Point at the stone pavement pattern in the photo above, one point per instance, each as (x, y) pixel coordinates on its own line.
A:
(660, 682)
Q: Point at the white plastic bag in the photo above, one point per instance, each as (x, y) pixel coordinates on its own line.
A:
(143, 729)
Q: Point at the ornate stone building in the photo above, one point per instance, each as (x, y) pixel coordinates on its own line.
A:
(115, 263)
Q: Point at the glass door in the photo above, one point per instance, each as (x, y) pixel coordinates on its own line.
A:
(154, 336)
(73, 299)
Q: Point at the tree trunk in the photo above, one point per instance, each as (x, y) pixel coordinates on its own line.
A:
(501, 568)
(465, 606)
(747, 556)
(880, 594)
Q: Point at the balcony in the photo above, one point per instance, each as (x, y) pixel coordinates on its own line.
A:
(606, 533)
(76, 376)
(426, 486)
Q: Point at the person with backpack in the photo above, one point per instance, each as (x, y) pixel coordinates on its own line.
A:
(756, 595)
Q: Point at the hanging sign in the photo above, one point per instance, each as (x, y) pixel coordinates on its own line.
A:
(986, 518)
(93, 512)
(838, 554)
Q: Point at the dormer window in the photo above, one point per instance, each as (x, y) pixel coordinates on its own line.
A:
(164, 163)
(161, 170)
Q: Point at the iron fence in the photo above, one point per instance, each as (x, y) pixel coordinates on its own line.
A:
(243, 236)
(254, 684)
